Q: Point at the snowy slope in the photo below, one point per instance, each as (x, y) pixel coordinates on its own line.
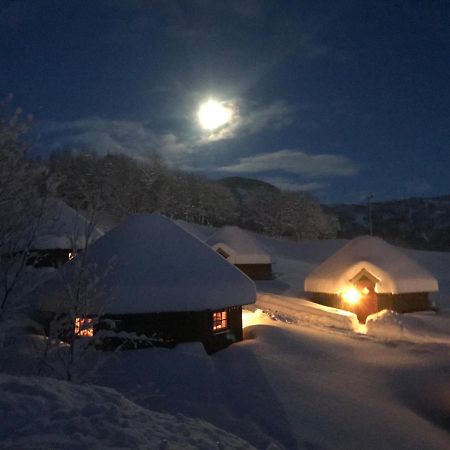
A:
(45, 413)
(306, 377)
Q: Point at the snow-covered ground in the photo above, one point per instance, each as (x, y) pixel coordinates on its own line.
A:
(306, 377)
(49, 414)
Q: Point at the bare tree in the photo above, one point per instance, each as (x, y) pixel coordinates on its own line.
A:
(22, 188)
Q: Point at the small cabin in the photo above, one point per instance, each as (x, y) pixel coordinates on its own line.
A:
(368, 275)
(241, 249)
(60, 234)
(153, 280)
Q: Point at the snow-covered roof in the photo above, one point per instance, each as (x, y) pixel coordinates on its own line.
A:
(150, 264)
(397, 273)
(61, 227)
(201, 232)
(240, 245)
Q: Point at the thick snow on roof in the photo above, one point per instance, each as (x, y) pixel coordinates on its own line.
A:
(150, 264)
(201, 232)
(240, 245)
(61, 227)
(397, 273)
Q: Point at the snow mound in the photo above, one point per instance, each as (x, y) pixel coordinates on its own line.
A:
(396, 272)
(301, 310)
(46, 413)
(423, 327)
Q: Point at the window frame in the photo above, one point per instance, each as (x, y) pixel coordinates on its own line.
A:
(84, 327)
(220, 321)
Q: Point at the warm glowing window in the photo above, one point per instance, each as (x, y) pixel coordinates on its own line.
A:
(84, 326)
(222, 253)
(220, 320)
(365, 291)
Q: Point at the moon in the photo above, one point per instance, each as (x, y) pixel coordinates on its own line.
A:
(213, 114)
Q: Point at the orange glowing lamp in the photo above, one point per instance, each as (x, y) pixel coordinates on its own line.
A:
(351, 296)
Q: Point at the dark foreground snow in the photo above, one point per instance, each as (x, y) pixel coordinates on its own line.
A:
(45, 413)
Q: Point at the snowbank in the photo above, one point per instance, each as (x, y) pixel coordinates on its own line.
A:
(307, 312)
(46, 413)
(423, 327)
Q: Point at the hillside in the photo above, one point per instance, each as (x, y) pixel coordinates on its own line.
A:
(240, 186)
(422, 223)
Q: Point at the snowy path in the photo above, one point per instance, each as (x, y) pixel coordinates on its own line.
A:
(344, 392)
(426, 327)
(299, 385)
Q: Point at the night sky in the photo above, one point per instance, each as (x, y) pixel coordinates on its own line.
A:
(340, 98)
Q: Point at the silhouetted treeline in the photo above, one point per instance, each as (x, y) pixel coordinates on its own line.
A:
(119, 185)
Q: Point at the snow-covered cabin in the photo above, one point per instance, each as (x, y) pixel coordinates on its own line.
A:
(150, 277)
(241, 249)
(368, 275)
(61, 233)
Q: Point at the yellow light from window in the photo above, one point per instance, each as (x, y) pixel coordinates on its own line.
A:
(220, 320)
(351, 296)
(365, 291)
(84, 326)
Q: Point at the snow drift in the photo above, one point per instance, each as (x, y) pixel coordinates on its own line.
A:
(46, 413)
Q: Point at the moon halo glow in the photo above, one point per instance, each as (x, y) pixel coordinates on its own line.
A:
(213, 115)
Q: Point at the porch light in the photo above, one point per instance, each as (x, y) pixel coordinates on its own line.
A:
(351, 296)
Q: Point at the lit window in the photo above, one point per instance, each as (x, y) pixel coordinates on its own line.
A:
(365, 291)
(84, 326)
(223, 253)
(220, 320)
(72, 255)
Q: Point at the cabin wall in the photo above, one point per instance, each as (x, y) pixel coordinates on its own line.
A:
(176, 327)
(332, 300)
(48, 258)
(256, 271)
(401, 303)
(216, 341)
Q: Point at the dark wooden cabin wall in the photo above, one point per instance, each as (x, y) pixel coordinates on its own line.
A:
(400, 303)
(403, 303)
(48, 258)
(256, 271)
(177, 327)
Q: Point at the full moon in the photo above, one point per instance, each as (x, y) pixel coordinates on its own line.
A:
(213, 114)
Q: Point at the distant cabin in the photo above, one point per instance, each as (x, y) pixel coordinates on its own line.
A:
(152, 279)
(60, 234)
(368, 275)
(242, 249)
